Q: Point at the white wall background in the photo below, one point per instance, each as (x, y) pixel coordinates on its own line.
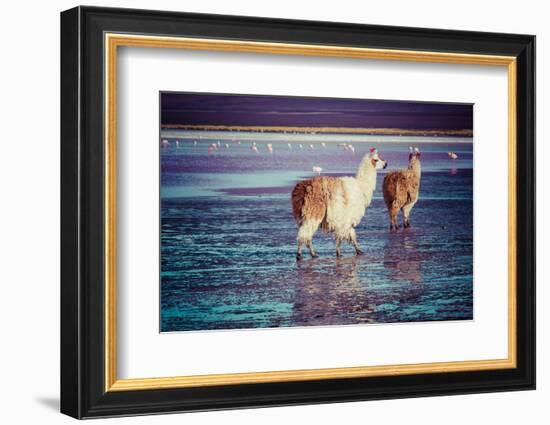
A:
(29, 217)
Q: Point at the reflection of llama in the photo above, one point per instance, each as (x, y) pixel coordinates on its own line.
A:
(402, 259)
(401, 189)
(335, 204)
(342, 298)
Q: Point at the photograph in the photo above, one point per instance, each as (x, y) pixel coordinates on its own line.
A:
(290, 211)
(278, 211)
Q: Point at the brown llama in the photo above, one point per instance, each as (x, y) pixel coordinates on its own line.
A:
(402, 188)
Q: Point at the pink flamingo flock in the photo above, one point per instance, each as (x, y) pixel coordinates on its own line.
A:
(254, 147)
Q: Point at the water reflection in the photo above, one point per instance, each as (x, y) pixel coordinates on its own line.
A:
(375, 287)
(331, 291)
(402, 257)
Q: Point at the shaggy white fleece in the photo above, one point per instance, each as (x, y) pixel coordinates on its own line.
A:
(345, 206)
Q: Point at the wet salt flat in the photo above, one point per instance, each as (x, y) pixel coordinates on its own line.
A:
(228, 237)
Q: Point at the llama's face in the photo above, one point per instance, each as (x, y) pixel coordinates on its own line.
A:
(377, 162)
(414, 157)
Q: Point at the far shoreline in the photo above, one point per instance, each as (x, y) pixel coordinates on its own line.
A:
(366, 131)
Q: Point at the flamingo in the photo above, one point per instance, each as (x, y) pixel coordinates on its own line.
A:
(227, 146)
(254, 148)
(270, 148)
(323, 144)
(317, 169)
(311, 146)
(177, 144)
(165, 143)
(301, 147)
(351, 148)
(452, 155)
(289, 145)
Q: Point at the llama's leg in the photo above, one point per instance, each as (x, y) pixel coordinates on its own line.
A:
(299, 252)
(406, 211)
(393, 218)
(305, 234)
(353, 240)
(338, 243)
(309, 244)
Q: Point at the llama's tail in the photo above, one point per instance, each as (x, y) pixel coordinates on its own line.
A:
(309, 200)
(393, 188)
(298, 199)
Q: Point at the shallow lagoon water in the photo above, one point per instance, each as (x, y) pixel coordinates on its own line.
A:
(228, 238)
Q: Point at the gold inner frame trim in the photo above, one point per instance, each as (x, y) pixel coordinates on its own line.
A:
(113, 41)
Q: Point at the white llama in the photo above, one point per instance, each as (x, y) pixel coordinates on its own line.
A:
(337, 204)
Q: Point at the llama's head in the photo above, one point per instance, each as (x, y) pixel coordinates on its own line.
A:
(370, 164)
(376, 160)
(414, 157)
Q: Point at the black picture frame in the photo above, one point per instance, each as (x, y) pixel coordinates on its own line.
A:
(83, 392)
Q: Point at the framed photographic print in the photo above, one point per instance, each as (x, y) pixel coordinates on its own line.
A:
(261, 212)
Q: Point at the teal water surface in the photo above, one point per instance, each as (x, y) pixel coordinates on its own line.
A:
(228, 238)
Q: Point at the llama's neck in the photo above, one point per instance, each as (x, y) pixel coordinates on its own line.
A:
(366, 176)
(416, 168)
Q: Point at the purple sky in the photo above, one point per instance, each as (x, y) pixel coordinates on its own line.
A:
(243, 110)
